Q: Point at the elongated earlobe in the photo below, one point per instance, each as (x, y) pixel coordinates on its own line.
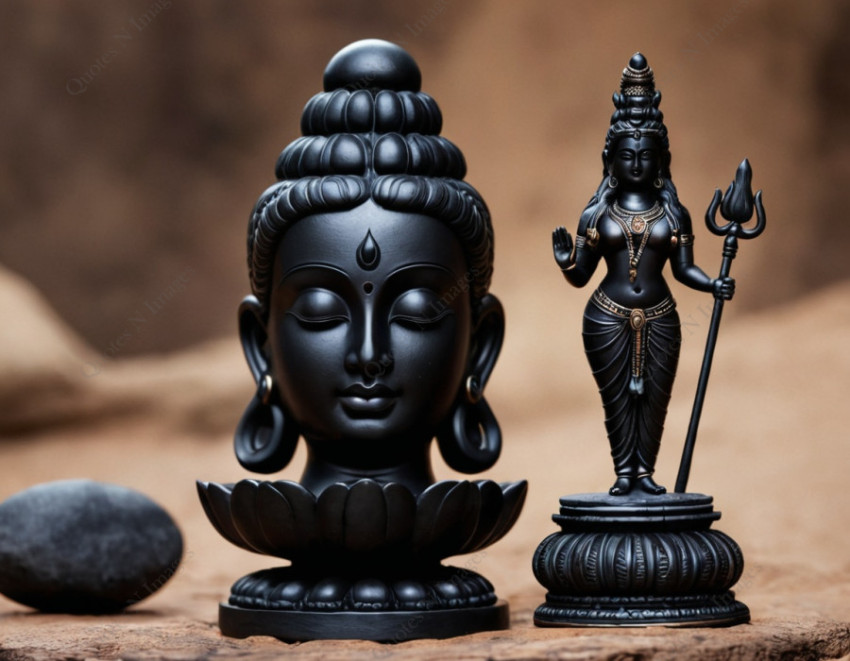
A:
(265, 439)
(470, 439)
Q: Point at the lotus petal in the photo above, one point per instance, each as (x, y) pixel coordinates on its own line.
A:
(365, 516)
(284, 519)
(298, 530)
(489, 513)
(427, 507)
(330, 508)
(443, 518)
(277, 521)
(401, 513)
(215, 499)
(469, 521)
(514, 498)
(246, 516)
(303, 504)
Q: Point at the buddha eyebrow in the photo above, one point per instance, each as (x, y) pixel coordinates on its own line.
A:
(318, 266)
(432, 275)
(422, 265)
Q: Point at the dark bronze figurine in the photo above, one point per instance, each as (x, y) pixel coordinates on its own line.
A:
(370, 331)
(631, 332)
(638, 555)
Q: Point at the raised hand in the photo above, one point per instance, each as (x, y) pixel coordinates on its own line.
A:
(562, 246)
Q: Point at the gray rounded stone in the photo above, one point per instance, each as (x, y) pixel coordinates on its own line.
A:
(78, 546)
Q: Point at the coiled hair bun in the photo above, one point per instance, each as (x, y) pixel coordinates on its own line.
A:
(371, 134)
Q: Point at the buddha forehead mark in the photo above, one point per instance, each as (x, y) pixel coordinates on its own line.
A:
(368, 253)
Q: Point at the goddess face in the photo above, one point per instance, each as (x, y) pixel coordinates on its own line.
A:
(369, 325)
(636, 162)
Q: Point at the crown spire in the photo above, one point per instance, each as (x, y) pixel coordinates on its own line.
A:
(638, 79)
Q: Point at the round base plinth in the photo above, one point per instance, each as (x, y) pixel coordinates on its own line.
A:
(708, 610)
(306, 603)
(393, 626)
(638, 560)
(669, 511)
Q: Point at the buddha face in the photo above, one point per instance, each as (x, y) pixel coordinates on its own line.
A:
(636, 162)
(369, 324)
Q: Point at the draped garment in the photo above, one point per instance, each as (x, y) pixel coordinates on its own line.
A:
(633, 354)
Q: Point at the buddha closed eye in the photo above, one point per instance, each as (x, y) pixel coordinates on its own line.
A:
(419, 309)
(319, 309)
(323, 309)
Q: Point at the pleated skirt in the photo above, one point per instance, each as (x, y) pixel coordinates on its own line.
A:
(634, 370)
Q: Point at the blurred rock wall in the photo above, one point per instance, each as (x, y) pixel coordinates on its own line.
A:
(136, 137)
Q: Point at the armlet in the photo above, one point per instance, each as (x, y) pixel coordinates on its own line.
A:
(591, 232)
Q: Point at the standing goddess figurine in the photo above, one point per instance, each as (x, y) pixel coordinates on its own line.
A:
(638, 555)
(631, 328)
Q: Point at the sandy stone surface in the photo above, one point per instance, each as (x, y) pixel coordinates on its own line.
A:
(773, 451)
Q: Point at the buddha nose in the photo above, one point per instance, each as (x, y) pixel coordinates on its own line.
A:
(369, 355)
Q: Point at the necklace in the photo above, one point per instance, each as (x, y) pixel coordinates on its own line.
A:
(635, 223)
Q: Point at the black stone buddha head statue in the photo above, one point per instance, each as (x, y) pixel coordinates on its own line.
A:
(370, 332)
(370, 329)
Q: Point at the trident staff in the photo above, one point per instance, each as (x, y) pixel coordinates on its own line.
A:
(736, 206)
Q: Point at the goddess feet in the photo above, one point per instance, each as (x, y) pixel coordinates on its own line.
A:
(648, 485)
(622, 486)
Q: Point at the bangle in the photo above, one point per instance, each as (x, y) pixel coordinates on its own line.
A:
(578, 244)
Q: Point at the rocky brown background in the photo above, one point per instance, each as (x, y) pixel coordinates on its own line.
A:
(136, 136)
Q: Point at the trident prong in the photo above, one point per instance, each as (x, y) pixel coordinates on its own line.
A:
(736, 206)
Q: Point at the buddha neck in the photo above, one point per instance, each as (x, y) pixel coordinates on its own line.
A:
(326, 468)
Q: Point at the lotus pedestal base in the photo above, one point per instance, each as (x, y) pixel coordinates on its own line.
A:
(365, 557)
(292, 604)
(638, 560)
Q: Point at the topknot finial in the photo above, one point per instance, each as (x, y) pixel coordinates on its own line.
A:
(638, 79)
(372, 64)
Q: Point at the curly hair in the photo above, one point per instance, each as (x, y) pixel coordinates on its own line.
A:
(371, 144)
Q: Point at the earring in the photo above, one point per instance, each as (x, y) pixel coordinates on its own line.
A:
(473, 389)
(264, 388)
(659, 181)
(612, 182)
(264, 441)
(470, 439)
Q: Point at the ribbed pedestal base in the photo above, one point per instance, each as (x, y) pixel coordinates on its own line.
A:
(295, 604)
(637, 561)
